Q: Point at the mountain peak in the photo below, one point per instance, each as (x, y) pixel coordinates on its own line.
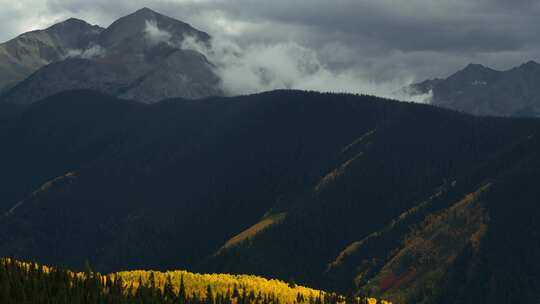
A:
(145, 10)
(74, 24)
(134, 27)
(145, 14)
(72, 21)
(70, 25)
(475, 67)
(474, 70)
(130, 26)
(531, 64)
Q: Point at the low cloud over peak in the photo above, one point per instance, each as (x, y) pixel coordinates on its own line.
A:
(263, 67)
(154, 34)
(381, 42)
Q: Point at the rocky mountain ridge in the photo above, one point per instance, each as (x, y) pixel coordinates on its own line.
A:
(480, 90)
(137, 57)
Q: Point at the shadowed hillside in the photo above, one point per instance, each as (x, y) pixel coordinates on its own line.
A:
(320, 189)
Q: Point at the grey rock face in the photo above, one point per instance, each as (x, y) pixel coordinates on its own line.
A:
(183, 73)
(25, 54)
(483, 91)
(138, 57)
(143, 28)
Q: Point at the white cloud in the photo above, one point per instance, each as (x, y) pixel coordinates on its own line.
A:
(93, 51)
(17, 17)
(154, 34)
(374, 43)
(263, 67)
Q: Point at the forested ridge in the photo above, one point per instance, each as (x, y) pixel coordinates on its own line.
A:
(23, 282)
(344, 193)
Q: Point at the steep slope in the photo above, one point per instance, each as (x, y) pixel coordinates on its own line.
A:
(426, 253)
(137, 57)
(27, 53)
(398, 166)
(420, 256)
(503, 267)
(276, 184)
(253, 153)
(42, 143)
(483, 91)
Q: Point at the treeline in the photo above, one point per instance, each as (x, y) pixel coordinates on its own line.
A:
(31, 283)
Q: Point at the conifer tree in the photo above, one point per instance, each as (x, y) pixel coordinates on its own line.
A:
(209, 295)
(182, 295)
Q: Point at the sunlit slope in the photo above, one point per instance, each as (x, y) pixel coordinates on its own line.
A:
(220, 283)
(465, 244)
(35, 283)
(252, 231)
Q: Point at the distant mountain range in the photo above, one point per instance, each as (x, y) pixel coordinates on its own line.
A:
(140, 57)
(480, 90)
(351, 193)
(137, 57)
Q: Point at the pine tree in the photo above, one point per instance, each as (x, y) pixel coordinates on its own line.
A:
(4, 284)
(235, 293)
(168, 291)
(182, 295)
(209, 295)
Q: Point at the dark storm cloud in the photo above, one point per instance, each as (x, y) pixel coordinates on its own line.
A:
(381, 39)
(412, 25)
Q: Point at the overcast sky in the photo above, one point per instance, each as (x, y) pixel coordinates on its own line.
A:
(383, 40)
